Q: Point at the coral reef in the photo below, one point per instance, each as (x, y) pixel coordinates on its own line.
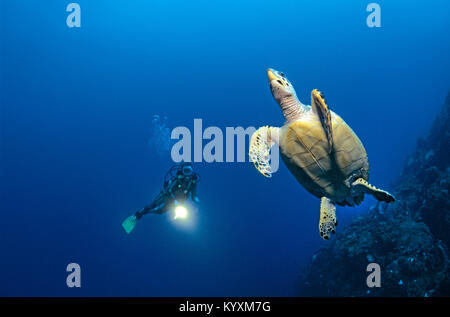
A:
(408, 239)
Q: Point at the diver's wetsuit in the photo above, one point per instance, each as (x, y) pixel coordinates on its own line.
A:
(178, 188)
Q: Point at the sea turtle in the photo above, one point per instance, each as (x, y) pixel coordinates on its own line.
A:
(319, 149)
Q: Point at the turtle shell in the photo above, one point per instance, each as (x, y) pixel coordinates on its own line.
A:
(322, 171)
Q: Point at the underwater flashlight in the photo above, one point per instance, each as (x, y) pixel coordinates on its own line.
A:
(180, 212)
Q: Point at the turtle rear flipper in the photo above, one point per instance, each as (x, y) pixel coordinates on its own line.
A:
(320, 107)
(260, 144)
(328, 222)
(363, 186)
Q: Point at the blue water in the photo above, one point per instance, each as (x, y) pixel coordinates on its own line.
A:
(76, 113)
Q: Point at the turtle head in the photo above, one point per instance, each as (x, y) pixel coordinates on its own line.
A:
(284, 94)
(280, 86)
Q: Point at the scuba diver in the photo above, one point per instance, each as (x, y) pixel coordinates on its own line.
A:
(180, 182)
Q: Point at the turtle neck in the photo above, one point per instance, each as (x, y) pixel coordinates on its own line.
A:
(291, 107)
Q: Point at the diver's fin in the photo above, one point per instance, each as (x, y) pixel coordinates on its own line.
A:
(362, 185)
(129, 223)
(320, 107)
(260, 144)
(328, 220)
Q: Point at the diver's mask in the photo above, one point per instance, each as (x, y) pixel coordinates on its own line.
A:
(187, 170)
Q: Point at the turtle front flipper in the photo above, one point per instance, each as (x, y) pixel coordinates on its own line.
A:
(328, 220)
(320, 107)
(363, 186)
(260, 144)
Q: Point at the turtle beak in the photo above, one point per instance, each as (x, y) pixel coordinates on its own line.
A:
(271, 74)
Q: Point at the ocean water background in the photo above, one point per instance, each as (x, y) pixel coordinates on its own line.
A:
(76, 113)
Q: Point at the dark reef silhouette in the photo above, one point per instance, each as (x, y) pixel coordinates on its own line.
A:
(408, 239)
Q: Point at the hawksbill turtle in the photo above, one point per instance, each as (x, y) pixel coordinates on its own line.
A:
(319, 149)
